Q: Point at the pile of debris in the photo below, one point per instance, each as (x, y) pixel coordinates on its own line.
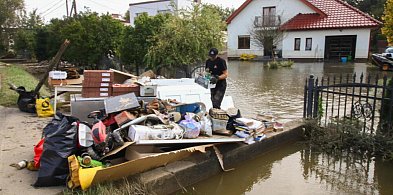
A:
(124, 134)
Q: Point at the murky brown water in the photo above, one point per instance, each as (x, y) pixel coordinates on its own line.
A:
(256, 88)
(293, 169)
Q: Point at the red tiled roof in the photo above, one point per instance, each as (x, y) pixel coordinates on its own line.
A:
(338, 15)
(244, 5)
(330, 14)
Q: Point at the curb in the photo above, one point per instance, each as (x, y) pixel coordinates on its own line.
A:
(200, 166)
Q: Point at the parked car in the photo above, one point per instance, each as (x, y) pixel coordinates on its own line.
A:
(384, 60)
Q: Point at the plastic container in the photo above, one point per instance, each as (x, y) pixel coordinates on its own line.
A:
(344, 59)
(219, 125)
(57, 75)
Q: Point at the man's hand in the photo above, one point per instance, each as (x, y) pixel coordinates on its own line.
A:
(214, 79)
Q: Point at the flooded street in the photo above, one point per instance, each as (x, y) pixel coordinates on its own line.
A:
(293, 169)
(256, 88)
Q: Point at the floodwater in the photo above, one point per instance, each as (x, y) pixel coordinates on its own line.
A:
(255, 88)
(293, 169)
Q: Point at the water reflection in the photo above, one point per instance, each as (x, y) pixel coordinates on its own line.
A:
(342, 172)
(295, 169)
(256, 88)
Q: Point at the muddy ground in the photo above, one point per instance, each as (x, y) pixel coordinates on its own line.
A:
(19, 132)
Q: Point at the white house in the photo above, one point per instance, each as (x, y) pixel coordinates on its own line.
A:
(326, 29)
(153, 8)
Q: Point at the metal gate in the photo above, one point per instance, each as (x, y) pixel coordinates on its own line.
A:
(367, 100)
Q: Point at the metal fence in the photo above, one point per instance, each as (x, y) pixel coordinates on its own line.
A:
(365, 99)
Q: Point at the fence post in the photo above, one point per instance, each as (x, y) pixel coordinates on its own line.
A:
(310, 95)
(316, 100)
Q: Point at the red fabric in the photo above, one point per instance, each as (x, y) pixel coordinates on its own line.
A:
(110, 120)
(37, 152)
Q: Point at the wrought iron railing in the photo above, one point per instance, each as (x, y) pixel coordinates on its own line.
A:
(365, 99)
(267, 21)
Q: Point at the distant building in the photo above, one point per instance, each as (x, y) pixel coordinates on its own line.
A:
(153, 8)
(324, 29)
(121, 19)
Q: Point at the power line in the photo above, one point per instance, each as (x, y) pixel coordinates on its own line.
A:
(102, 5)
(50, 5)
(57, 3)
(61, 5)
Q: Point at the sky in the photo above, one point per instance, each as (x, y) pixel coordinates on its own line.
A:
(49, 9)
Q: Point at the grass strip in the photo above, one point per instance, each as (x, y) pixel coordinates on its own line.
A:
(19, 77)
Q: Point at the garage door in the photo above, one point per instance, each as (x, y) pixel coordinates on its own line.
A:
(340, 46)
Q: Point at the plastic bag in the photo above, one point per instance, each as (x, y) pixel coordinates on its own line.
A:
(38, 152)
(44, 108)
(191, 127)
(60, 142)
(206, 126)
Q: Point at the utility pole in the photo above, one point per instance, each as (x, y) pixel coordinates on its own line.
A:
(74, 5)
(72, 10)
(67, 8)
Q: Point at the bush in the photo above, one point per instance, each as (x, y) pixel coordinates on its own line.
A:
(278, 64)
(287, 63)
(273, 64)
(347, 134)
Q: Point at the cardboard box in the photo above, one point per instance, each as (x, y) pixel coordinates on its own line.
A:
(142, 161)
(137, 152)
(121, 89)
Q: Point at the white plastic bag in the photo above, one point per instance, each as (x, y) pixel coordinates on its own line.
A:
(206, 126)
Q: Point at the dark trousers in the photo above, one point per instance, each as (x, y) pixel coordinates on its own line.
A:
(217, 94)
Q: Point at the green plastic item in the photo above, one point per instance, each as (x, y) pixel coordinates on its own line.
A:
(349, 58)
(93, 163)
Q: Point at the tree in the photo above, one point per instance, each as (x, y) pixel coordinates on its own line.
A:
(9, 10)
(266, 33)
(223, 12)
(138, 39)
(373, 7)
(31, 20)
(127, 16)
(92, 37)
(387, 29)
(185, 39)
(25, 37)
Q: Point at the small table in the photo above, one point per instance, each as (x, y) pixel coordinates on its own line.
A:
(67, 88)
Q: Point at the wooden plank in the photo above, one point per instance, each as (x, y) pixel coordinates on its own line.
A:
(214, 139)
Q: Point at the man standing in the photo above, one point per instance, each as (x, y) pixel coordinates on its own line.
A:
(218, 69)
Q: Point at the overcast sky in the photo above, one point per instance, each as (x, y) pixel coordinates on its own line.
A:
(57, 8)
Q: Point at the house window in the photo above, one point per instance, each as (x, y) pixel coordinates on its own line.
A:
(308, 44)
(269, 16)
(138, 14)
(164, 11)
(297, 44)
(244, 42)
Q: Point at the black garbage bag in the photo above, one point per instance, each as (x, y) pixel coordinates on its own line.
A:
(60, 142)
(26, 100)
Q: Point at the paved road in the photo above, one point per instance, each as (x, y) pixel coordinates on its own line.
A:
(19, 132)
